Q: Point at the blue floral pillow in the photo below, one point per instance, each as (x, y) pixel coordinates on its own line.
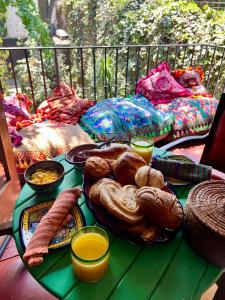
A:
(123, 118)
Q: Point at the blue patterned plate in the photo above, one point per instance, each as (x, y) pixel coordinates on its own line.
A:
(32, 215)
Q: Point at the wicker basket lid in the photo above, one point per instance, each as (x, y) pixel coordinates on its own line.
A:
(207, 202)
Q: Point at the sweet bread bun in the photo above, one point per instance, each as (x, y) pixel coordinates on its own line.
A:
(116, 201)
(161, 208)
(96, 168)
(147, 176)
(147, 232)
(126, 166)
(111, 152)
(94, 193)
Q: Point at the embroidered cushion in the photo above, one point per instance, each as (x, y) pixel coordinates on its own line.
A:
(160, 84)
(122, 118)
(191, 78)
(192, 116)
(65, 106)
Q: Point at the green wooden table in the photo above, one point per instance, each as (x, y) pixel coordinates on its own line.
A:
(169, 272)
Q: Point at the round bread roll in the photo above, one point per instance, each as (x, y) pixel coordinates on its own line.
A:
(116, 201)
(126, 166)
(96, 168)
(161, 208)
(94, 193)
(111, 152)
(147, 176)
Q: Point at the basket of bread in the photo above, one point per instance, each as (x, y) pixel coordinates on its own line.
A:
(130, 198)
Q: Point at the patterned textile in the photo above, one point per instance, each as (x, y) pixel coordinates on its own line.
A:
(64, 105)
(160, 84)
(182, 170)
(191, 78)
(16, 109)
(47, 140)
(123, 118)
(16, 138)
(192, 115)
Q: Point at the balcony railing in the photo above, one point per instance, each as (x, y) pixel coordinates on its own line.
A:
(98, 72)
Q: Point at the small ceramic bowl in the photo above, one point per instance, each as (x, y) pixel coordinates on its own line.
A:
(45, 164)
(71, 155)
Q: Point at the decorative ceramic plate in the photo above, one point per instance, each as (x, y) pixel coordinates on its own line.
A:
(32, 215)
(175, 181)
(106, 219)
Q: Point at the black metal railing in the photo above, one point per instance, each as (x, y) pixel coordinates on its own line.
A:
(98, 72)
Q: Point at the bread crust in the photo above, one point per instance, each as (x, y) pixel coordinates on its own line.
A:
(114, 200)
(147, 176)
(110, 152)
(94, 193)
(126, 166)
(161, 208)
(96, 168)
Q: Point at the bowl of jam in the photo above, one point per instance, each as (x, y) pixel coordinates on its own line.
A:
(78, 155)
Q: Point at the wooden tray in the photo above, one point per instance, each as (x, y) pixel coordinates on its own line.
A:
(111, 223)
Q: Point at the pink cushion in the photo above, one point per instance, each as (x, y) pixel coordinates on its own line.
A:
(160, 84)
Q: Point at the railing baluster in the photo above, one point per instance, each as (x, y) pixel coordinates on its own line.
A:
(127, 65)
(219, 72)
(82, 71)
(137, 66)
(43, 73)
(185, 51)
(105, 73)
(1, 87)
(211, 66)
(13, 70)
(206, 49)
(116, 70)
(56, 66)
(175, 58)
(157, 56)
(148, 60)
(200, 54)
(69, 61)
(167, 53)
(30, 79)
(94, 71)
(193, 50)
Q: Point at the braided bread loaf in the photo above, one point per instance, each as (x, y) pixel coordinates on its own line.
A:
(49, 226)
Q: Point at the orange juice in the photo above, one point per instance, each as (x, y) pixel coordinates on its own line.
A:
(143, 147)
(90, 254)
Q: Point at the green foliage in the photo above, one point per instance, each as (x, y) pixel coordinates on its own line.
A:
(149, 22)
(3, 9)
(38, 36)
(3, 67)
(28, 12)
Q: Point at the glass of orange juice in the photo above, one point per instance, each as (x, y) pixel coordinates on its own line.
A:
(90, 253)
(143, 146)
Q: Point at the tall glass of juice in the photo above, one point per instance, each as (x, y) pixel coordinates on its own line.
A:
(143, 146)
(90, 253)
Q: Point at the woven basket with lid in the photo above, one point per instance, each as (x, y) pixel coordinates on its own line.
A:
(204, 220)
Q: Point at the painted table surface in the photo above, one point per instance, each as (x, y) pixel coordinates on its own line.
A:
(168, 272)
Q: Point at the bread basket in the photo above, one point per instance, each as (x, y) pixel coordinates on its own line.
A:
(204, 221)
